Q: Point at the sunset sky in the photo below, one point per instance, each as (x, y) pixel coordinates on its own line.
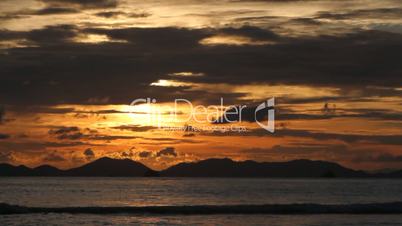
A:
(69, 70)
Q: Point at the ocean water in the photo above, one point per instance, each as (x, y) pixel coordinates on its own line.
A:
(118, 192)
(232, 220)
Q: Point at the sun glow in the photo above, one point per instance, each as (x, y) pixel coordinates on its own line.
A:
(235, 40)
(169, 83)
(95, 38)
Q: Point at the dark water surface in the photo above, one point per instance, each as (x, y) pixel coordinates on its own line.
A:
(118, 192)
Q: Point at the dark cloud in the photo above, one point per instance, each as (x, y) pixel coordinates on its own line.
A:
(32, 109)
(189, 135)
(4, 136)
(67, 133)
(149, 38)
(64, 130)
(86, 4)
(352, 60)
(111, 111)
(52, 34)
(127, 154)
(378, 13)
(26, 13)
(79, 136)
(75, 133)
(6, 35)
(135, 128)
(305, 21)
(317, 135)
(89, 154)
(66, 144)
(168, 140)
(144, 154)
(114, 14)
(251, 32)
(110, 14)
(375, 114)
(10, 16)
(349, 138)
(2, 114)
(40, 109)
(328, 111)
(54, 10)
(167, 152)
(110, 137)
(70, 136)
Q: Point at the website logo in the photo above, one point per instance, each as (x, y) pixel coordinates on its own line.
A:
(212, 117)
(267, 105)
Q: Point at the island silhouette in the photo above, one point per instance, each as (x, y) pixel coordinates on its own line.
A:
(225, 167)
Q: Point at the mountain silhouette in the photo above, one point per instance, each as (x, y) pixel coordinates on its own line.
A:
(395, 174)
(10, 170)
(229, 168)
(47, 171)
(108, 167)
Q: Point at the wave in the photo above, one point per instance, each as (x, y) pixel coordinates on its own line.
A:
(308, 208)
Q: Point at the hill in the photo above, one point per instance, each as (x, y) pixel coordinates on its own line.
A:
(108, 167)
(230, 168)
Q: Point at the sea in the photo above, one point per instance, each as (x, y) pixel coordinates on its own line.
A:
(63, 192)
